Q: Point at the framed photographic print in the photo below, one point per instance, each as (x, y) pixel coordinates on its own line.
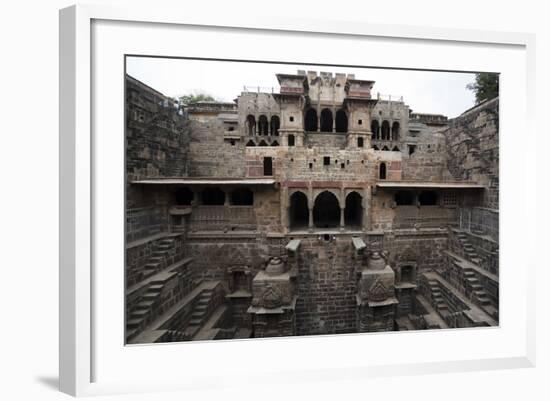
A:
(344, 198)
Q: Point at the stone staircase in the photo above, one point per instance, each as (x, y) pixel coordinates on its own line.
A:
(437, 297)
(468, 249)
(157, 260)
(478, 293)
(139, 314)
(200, 312)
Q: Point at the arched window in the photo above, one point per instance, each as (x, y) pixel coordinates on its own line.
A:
(353, 214)
(403, 198)
(310, 121)
(262, 125)
(395, 131)
(212, 196)
(242, 197)
(326, 211)
(262, 143)
(375, 128)
(427, 198)
(251, 124)
(375, 147)
(385, 130)
(395, 149)
(382, 171)
(274, 143)
(275, 124)
(326, 120)
(341, 121)
(250, 143)
(385, 148)
(299, 212)
(184, 196)
(360, 142)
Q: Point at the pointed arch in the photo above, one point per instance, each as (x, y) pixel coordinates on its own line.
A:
(251, 125)
(395, 131)
(262, 143)
(250, 143)
(262, 125)
(326, 120)
(275, 125)
(341, 121)
(298, 212)
(274, 143)
(310, 120)
(326, 210)
(395, 149)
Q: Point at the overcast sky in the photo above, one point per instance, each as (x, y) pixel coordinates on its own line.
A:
(424, 91)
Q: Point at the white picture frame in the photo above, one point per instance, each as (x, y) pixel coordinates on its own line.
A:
(87, 330)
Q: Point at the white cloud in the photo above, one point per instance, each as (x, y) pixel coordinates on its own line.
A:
(424, 91)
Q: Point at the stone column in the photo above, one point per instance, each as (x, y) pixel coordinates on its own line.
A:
(318, 122)
(310, 224)
(342, 220)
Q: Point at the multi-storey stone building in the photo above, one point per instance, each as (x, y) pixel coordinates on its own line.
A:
(319, 209)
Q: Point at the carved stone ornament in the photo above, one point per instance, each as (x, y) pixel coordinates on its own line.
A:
(378, 292)
(271, 298)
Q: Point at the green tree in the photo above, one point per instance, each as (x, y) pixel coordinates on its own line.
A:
(195, 97)
(485, 86)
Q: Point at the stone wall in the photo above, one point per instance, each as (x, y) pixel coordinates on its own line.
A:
(326, 287)
(473, 148)
(210, 154)
(156, 134)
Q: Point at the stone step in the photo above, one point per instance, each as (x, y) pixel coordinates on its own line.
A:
(139, 311)
(148, 296)
(133, 323)
(476, 286)
(484, 300)
(156, 287)
(146, 304)
(195, 322)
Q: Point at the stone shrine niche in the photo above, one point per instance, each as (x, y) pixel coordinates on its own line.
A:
(376, 295)
(273, 301)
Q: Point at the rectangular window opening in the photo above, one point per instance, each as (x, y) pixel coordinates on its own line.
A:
(268, 166)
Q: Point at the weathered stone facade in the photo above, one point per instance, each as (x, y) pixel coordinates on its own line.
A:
(319, 209)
